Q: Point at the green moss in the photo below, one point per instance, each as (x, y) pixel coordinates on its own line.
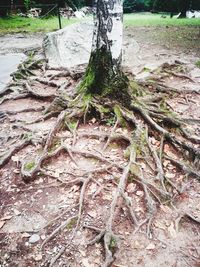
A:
(198, 63)
(131, 178)
(17, 75)
(111, 121)
(54, 146)
(127, 153)
(119, 116)
(72, 124)
(114, 145)
(102, 109)
(28, 136)
(135, 170)
(72, 223)
(145, 69)
(136, 89)
(113, 243)
(29, 165)
(101, 79)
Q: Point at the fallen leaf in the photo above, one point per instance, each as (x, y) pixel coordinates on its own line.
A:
(57, 174)
(153, 140)
(131, 188)
(17, 212)
(43, 237)
(139, 209)
(166, 209)
(26, 235)
(38, 257)
(140, 193)
(151, 246)
(93, 120)
(165, 163)
(160, 225)
(15, 158)
(172, 230)
(166, 148)
(170, 175)
(107, 197)
(93, 188)
(74, 188)
(82, 253)
(86, 263)
(92, 213)
(16, 171)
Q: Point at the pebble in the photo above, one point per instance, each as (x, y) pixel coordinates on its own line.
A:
(17, 212)
(140, 193)
(131, 188)
(151, 246)
(38, 257)
(92, 213)
(170, 175)
(34, 238)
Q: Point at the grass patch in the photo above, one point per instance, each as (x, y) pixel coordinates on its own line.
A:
(198, 63)
(17, 24)
(29, 166)
(148, 19)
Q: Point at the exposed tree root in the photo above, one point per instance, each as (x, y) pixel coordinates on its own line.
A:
(7, 156)
(109, 238)
(186, 169)
(145, 118)
(24, 110)
(13, 97)
(152, 192)
(32, 93)
(58, 229)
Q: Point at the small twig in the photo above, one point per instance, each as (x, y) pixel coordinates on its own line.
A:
(57, 256)
(160, 171)
(58, 229)
(6, 157)
(184, 167)
(111, 134)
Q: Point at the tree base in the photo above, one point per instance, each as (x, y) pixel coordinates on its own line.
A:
(132, 128)
(104, 77)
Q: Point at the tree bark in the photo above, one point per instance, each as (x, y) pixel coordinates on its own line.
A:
(104, 75)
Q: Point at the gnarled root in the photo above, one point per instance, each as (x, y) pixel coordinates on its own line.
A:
(144, 119)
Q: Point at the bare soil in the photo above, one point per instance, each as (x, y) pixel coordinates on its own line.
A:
(41, 206)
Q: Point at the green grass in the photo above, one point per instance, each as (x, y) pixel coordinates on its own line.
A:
(16, 24)
(198, 64)
(148, 19)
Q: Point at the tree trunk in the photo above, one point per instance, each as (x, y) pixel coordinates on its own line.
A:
(184, 6)
(104, 75)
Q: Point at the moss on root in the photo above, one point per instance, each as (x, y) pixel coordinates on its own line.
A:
(102, 79)
(29, 165)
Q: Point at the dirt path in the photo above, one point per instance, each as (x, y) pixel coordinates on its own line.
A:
(20, 42)
(152, 46)
(31, 212)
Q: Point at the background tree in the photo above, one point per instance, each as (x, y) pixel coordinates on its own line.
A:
(183, 7)
(3, 9)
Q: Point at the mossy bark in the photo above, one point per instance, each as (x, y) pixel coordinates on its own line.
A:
(101, 77)
(104, 75)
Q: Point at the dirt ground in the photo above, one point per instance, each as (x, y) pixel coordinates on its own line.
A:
(34, 226)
